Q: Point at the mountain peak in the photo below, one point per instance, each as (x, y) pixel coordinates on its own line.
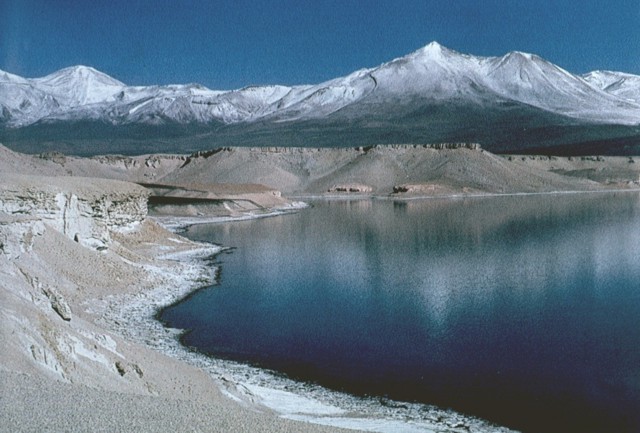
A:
(621, 84)
(520, 54)
(431, 75)
(82, 73)
(433, 49)
(438, 54)
(78, 85)
(518, 61)
(433, 46)
(81, 69)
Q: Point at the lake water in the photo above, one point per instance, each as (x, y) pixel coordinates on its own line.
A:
(521, 310)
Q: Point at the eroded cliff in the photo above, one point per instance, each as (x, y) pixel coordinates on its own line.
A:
(68, 248)
(84, 209)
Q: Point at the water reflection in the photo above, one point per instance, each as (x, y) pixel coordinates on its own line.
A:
(523, 310)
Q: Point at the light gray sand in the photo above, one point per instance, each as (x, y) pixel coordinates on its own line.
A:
(36, 404)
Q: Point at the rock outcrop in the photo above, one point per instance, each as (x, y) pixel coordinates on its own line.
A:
(429, 189)
(58, 303)
(44, 273)
(83, 209)
(17, 234)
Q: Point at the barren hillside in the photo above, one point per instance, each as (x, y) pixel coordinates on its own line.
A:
(402, 170)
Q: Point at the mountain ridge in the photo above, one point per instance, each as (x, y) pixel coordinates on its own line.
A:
(401, 95)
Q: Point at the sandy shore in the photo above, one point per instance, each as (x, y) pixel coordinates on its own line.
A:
(113, 367)
(35, 404)
(256, 389)
(81, 348)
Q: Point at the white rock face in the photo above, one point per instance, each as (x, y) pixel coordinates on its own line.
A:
(45, 275)
(85, 210)
(17, 235)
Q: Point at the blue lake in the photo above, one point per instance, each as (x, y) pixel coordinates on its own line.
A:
(521, 310)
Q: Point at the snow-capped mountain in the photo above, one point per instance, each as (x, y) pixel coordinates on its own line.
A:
(437, 73)
(79, 86)
(431, 80)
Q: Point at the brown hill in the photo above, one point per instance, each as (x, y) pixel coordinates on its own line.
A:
(377, 170)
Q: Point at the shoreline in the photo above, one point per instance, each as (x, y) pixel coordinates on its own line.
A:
(179, 223)
(136, 318)
(355, 196)
(62, 249)
(255, 387)
(104, 362)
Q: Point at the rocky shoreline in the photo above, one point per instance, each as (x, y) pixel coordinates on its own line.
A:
(136, 318)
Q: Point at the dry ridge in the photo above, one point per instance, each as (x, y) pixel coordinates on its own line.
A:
(402, 170)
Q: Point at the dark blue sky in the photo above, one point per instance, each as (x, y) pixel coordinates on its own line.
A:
(232, 43)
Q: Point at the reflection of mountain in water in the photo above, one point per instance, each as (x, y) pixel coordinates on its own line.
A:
(515, 309)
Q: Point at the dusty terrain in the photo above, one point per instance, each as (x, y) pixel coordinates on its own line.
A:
(66, 364)
(375, 170)
(83, 269)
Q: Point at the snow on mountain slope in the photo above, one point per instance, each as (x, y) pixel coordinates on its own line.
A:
(532, 80)
(194, 103)
(245, 104)
(432, 72)
(438, 73)
(431, 75)
(6, 77)
(622, 85)
(21, 103)
(309, 102)
(25, 101)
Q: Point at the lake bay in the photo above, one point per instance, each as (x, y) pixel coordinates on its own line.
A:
(523, 310)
